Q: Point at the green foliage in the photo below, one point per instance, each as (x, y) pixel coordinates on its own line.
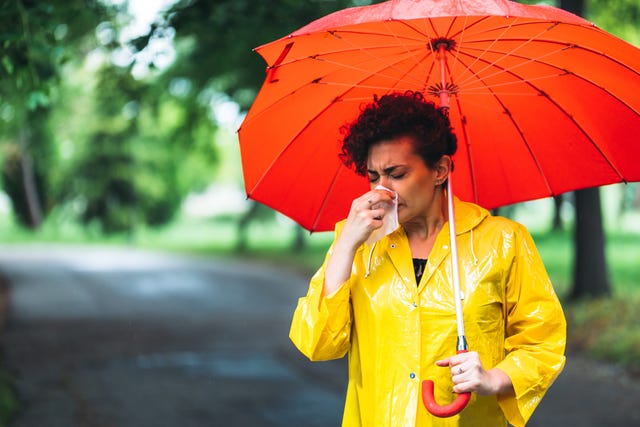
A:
(102, 179)
(137, 163)
(609, 329)
(619, 17)
(221, 35)
(37, 39)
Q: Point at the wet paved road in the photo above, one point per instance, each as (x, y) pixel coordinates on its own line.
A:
(122, 338)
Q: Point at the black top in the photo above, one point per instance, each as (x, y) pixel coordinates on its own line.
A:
(418, 267)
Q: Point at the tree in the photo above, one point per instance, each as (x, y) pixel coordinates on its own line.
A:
(215, 40)
(557, 213)
(136, 148)
(37, 39)
(103, 180)
(220, 36)
(26, 183)
(590, 277)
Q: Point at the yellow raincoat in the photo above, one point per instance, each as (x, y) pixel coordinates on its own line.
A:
(395, 330)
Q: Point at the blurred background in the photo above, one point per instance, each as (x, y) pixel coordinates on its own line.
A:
(117, 129)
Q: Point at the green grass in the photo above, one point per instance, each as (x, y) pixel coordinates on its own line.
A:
(608, 329)
(622, 253)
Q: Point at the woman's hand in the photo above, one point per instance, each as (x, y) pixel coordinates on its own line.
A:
(469, 376)
(365, 216)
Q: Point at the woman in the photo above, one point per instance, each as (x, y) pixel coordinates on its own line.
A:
(390, 304)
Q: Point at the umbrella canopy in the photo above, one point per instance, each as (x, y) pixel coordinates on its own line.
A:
(542, 102)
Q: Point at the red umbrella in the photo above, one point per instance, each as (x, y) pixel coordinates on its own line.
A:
(542, 101)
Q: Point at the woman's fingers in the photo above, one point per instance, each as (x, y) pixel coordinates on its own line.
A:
(365, 216)
(375, 197)
(371, 205)
(467, 372)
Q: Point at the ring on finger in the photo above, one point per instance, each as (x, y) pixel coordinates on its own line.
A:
(460, 370)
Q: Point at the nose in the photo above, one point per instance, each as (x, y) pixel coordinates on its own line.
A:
(385, 182)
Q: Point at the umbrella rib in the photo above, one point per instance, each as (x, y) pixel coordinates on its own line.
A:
(502, 70)
(524, 140)
(526, 60)
(505, 54)
(395, 36)
(319, 81)
(352, 47)
(479, 57)
(292, 139)
(370, 52)
(366, 50)
(461, 41)
(522, 136)
(285, 148)
(563, 111)
(425, 34)
(325, 199)
(561, 71)
(472, 174)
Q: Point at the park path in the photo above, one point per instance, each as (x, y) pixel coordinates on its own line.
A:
(112, 337)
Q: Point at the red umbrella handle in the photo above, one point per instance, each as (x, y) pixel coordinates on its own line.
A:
(443, 411)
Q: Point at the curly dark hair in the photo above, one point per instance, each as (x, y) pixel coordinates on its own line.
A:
(393, 116)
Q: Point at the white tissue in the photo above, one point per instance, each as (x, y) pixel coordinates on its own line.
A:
(390, 219)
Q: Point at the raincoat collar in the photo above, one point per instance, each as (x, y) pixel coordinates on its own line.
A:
(467, 217)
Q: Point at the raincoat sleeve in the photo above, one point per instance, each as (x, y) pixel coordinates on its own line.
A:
(321, 326)
(535, 331)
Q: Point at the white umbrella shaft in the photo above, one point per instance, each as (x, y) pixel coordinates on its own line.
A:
(462, 345)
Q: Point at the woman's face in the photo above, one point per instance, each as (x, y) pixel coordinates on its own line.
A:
(394, 165)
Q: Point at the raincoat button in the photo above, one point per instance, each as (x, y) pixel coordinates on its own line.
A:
(415, 304)
(393, 246)
(445, 247)
(412, 375)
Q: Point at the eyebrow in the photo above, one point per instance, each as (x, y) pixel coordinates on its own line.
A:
(386, 171)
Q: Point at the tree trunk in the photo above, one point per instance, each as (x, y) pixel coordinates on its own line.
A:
(300, 242)
(29, 181)
(243, 225)
(590, 268)
(557, 213)
(573, 6)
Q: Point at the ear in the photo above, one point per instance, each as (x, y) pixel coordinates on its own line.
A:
(443, 168)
